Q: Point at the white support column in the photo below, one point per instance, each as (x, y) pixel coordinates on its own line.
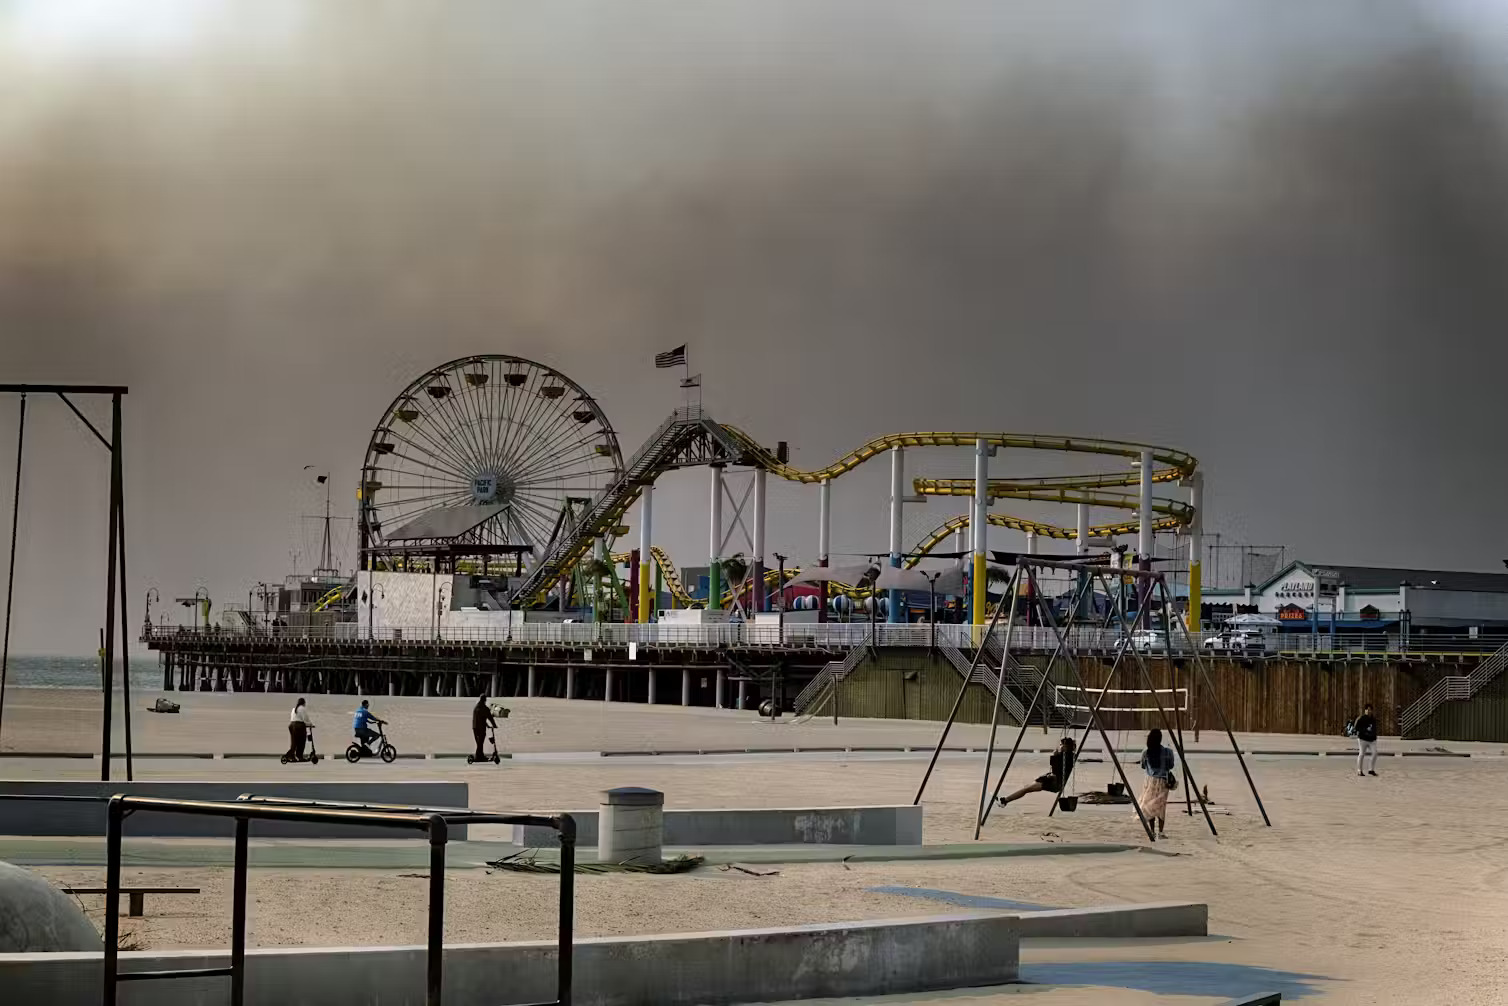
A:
(980, 525)
(646, 561)
(1082, 544)
(607, 687)
(1196, 552)
(685, 686)
(720, 688)
(651, 673)
(756, 570)
(497, 685)
(531, 688)
(1031, 543)
(392, 685)
(427, 688)
(715, 539)
(743, 693)
(570, 682)
(1144, 538)
(824, 538)
(897, 494)
(460, 685)
(824, 520)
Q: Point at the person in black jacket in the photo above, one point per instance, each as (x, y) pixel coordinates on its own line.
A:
(1366, 741)
(1060, 767)
(481, 719)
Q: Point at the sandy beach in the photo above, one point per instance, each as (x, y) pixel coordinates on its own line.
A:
(1380, 890)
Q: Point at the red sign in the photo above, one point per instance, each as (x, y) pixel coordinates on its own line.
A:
(1292, 613)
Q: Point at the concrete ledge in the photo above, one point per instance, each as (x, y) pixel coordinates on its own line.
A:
(898, 825)
(875, 958)
(77, 819)
(1157, 920)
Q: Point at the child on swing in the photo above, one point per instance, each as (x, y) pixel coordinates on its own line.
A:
(1060, 764)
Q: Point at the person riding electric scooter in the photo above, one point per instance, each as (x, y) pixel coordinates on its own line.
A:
(365, 735)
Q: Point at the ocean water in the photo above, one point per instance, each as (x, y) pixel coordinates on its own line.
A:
(77, 672)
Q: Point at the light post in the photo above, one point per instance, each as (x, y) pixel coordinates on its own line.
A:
(372, 588)
(780, 596)
(147, 619)
(932, 606)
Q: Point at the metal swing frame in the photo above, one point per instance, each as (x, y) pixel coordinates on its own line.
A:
(1148, 581)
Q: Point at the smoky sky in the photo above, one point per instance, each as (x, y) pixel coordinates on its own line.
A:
(1271, 235)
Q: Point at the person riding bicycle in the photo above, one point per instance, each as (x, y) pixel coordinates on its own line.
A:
(364, 733)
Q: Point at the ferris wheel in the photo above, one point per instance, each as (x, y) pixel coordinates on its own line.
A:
(496, 445)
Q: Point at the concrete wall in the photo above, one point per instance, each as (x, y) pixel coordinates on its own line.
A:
(29, 817)
(1118, 922)
(815, 826)
(840, 959)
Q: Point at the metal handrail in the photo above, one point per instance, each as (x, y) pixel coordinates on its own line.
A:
(434, 822)
(1454, 688)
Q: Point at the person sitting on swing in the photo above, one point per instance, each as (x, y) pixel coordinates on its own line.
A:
(1061, 765)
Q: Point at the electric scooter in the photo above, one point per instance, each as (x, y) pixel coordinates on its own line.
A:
(385, 750)
(313, 756)
(495, 758)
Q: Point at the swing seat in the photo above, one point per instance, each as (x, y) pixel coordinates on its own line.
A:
(1068, 804)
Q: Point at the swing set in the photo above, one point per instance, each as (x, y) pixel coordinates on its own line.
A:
(1151, 591)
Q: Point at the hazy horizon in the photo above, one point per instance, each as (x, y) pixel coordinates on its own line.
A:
(1274, 241)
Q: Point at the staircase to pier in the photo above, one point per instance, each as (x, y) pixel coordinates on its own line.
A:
(1456, 688)
(688, 436)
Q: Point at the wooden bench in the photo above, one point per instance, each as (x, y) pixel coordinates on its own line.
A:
(136, 897)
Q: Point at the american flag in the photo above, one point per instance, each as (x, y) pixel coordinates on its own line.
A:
(675, 358)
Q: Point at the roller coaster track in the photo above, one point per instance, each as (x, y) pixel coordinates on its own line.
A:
(331, 597)
(929, 543)
(690, 437)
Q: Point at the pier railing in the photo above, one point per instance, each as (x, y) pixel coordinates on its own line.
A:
(824, 636)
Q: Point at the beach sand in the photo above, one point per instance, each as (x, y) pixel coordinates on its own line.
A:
(1385, 890)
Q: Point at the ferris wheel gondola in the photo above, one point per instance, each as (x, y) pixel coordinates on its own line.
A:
(496, 445)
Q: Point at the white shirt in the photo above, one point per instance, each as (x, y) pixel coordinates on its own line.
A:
(301, 715)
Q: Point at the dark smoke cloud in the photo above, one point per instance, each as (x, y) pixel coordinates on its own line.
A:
(1270, 237)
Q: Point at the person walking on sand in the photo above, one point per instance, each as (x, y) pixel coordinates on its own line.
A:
(481, 719)
(1366, 741)
(1158, 762)
(298, 729)
(1060, 767)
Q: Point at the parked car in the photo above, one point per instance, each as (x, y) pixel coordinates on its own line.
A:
(1150, 641)
(1237, 641)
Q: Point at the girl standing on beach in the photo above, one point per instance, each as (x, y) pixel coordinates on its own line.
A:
(1158, 762)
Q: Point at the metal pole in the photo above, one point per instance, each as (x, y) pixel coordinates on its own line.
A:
(1144, 533)
(435, 972)
(117, 474)
(10, 583)
(957, 702)
(824, 538)
(980, 524)
(114, 816)
(1094, 717)
(1195, 617)
(566, 938)
(715, 540)
(989, 751)
(897, 492)
(756, 562)
(238, 916)
(1021, 734)
(1230, 735)
(646, 531)
(111, 572)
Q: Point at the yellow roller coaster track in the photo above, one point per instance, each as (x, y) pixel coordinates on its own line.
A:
(330, 598)
(1174, 465)
(928, 544)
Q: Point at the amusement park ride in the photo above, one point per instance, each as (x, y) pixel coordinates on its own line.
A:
(508, 470)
